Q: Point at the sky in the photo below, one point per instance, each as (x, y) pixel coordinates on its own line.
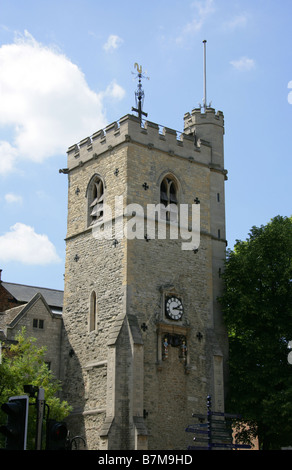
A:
(66, 71)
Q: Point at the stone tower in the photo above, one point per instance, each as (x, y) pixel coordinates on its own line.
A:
(145, 338)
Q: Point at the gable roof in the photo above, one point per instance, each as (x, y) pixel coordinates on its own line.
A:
(9, 318)
(23, 293)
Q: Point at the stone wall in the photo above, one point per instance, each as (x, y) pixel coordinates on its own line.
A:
(125, 395)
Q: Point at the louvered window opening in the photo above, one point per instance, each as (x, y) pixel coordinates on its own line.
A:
(168, 198)
(96, 207)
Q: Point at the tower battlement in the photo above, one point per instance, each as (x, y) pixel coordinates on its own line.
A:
(128, 129)
(196, 117)
(207, 127)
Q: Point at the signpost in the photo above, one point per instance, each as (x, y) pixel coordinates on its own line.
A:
(214, 433)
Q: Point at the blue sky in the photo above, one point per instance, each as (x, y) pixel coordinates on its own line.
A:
(66, 71)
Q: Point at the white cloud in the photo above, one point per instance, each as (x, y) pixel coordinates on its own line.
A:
(8, 156)
(114, 91)
(290, 92)
(238, 21)
(13, 198)
(24, 245)
(243, 64)
(45, 102)
(204, 9)
(113, 42)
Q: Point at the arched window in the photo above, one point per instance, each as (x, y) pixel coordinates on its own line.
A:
(95, 200)
(169, 199)
(92, 312)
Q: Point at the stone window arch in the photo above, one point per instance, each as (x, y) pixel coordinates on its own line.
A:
(95, 197)
(169, 198)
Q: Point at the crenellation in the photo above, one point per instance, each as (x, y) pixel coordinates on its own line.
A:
(171, 132)
(210, 113)
(86, 141)
(128, 129)
(74, 148)
(113, 127)
(148, 125)
(196, 117)
(151, 129)
(98, 135)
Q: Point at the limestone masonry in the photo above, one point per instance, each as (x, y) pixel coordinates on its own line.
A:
(133, 368)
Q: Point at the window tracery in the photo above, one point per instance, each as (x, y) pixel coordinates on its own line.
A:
(96, 200)
(169, 199)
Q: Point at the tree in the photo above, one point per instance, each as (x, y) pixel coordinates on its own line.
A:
(257, 306)
(23, 364)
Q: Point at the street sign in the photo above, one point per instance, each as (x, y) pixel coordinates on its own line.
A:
(198, 431)
(222, 438)
(198, 448)
(226, 415)
(242, 446)
(230, 446)
(218, 421)
(198, 426)
(218, 426)
(201, 439)
(221, 431)
(217, 429)
(195, 429)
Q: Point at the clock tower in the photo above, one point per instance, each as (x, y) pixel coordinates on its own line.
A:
(145, 246)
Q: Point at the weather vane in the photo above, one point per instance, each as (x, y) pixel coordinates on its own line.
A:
(139, 93)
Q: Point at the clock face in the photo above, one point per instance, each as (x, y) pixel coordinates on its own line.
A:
(174, 308)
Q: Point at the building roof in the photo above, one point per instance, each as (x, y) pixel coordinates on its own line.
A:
(9, 318)
(23, 293)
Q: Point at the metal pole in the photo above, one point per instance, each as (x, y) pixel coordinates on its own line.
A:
(205, 80)
(40, 405)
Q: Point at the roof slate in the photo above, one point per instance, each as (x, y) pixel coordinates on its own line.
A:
(23, 293)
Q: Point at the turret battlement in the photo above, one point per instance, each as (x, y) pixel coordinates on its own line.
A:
(207, 127)
(128, 129)
(196, 117)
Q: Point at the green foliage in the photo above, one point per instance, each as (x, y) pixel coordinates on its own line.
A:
(23, 364)
(257, 305)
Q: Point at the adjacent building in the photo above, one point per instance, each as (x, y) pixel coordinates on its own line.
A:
(39, 311)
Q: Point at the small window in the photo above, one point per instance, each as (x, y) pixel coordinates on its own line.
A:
(169, 199)
(38, 323)
(96, 200)
(92, 312)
